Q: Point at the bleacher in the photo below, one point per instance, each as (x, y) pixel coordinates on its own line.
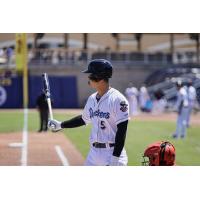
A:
(155, 49)
(64, 57)
(163, 80)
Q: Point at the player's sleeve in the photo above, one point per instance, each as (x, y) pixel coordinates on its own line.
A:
(121, 109)
(73, 123)
(86, 112)
(120, 138)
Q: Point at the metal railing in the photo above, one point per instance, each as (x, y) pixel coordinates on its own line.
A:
(75, 57)
(59, 57)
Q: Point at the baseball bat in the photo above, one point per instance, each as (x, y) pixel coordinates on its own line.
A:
(47, 93)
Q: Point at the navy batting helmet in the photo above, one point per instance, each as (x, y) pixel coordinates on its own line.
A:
(100, 68)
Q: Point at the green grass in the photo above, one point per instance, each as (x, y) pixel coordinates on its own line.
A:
(140, 134)
(11, 121)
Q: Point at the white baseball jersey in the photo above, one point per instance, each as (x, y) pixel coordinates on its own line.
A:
(131, 92)
(182, 98)
(143, 96)
(192, 93)
(105, 115)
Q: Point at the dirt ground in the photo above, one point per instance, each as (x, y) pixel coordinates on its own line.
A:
(8, 155)
(41, 150)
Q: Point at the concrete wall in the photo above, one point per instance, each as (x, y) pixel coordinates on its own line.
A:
(120, 80)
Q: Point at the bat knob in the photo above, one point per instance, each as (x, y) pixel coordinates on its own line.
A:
(50, 124)
(53, 126)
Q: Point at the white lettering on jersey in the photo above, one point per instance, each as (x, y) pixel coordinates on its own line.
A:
(98, 113)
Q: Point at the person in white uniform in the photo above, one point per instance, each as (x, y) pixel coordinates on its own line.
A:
(108, 111)
(182, 110)
(143, 99)
(132, 96)
(192, 95)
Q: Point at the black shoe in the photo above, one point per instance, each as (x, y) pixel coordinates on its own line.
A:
(174, 136)
(39, 131)
(182, 136)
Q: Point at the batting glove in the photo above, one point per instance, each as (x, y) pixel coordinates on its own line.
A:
(54, 125)
(114, 161)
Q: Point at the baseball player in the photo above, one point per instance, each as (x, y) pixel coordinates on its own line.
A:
(132, 94)
(191, 98)
(143, 99)
(108, 111)
(182, 109)
(160, 153)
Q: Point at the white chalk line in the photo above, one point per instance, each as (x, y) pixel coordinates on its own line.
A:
(24, 149)
(15, 144)
(61, 155)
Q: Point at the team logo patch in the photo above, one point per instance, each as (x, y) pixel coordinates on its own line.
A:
(124, 106)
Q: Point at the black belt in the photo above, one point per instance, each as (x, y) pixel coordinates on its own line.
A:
(102, 145)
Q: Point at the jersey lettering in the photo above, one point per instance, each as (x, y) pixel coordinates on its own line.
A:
(99, 114)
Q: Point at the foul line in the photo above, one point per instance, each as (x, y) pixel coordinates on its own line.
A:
(24, 148)
(61, 155)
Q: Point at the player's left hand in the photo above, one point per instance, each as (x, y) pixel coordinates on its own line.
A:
(54, 125)
(114, 161)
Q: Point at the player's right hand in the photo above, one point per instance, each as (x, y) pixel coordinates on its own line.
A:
(54, 125)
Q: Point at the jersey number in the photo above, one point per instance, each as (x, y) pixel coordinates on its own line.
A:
(103, 125)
